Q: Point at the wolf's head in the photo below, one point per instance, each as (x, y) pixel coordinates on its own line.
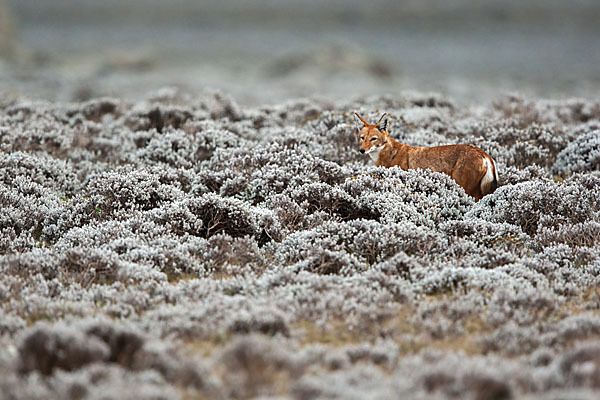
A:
(373, 137)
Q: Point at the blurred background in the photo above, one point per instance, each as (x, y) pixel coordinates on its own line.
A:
(264, 51)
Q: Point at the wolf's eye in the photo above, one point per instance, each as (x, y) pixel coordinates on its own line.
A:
(362, 138)
(373, 139)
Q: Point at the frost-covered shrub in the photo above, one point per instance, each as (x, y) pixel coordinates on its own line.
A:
(173, 147)
(573, 328)
(36, 127)
(124, 344)
(519, 146)
(570, 270)
(399, 265)
(569, 111)
(590, 181)
(580, 367)
(87, 266)
(510, 339)
(370, 241)
(179, 178)
(513, 175)
(145, 117)
(332, 200)
(329, 135)
(268, 322)
(117, 244)
(42, 169)
(565, 111)
(294, 216)
(581, 155)
(580, 234)
(485, 254)
(23, 208)
(221, 105)
(265, 171)
(252, 365)
(96, 109)
(479, 385)
(382, 353)
(488, 233)
(208, 138)
(10, 324)
(328, 262)
(77, 212)
(127, 189)
(46, 348)
(224, 249)
(406, 100)
(523, 306)
(211, 214)
(531, 205)
(37, 261)
(163, 358)
(94, 381)
(112, 382)
(421, 197)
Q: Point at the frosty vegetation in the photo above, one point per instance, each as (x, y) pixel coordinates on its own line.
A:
(191, 248)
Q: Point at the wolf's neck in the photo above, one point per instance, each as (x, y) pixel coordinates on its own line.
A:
(389, 154)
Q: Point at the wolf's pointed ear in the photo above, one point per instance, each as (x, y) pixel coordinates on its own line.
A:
(361, 119)
(383, 123)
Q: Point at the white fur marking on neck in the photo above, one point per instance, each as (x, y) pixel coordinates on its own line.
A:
(374, 152)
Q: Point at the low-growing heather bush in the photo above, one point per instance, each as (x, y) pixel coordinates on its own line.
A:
(257, 174)
(513, 175)
(531, 205)
(422, 197)
(581, 155)
(368, 241)
(130, 190)
(211, 214)
(40, 168)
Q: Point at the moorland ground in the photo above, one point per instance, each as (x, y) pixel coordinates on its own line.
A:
(188, 247)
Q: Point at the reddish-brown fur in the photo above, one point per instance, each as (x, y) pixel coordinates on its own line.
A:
(463, 163)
